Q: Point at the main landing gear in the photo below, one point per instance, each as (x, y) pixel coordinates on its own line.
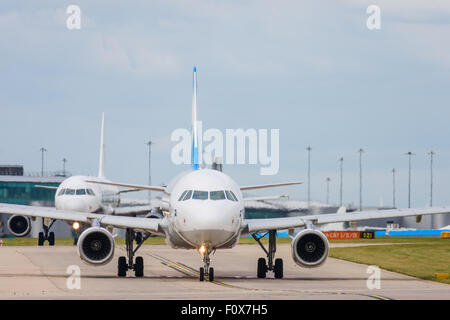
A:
(138, 264)
(46, 235)
(276, 267)
(206, 270)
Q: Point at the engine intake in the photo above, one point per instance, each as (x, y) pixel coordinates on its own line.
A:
(96, 246)
(19, 226)
(310, 248)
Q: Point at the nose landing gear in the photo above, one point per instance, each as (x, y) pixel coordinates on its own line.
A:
(206, 270)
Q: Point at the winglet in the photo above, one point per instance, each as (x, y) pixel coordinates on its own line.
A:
(194, 150)
(101, 162)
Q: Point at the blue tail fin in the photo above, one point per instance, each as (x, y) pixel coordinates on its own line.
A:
(194, 151)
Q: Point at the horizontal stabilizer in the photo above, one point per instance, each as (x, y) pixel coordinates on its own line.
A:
(132, 186)
(45, 187)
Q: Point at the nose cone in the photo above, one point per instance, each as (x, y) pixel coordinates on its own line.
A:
(73, 205)
(208, 224)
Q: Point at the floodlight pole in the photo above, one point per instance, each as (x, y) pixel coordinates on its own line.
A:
(149, 143)
(409, 154)
(42, 160)
(309, 175)
(360, 178)
(431, 153)
(64, 160)
(393, 188)
(341, 180)
(328, 189)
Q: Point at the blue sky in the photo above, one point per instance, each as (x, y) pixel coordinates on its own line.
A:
(312, 70)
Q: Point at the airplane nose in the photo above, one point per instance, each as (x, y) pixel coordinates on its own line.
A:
(211, 225)
(74, 205)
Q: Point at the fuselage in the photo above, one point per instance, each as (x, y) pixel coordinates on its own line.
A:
(206, 208)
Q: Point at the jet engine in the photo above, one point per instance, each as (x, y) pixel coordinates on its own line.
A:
(310, 248)
(96, 246)
(19, 226)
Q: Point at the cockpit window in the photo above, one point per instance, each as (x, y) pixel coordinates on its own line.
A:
(81, 192)
(217, 195)
(61, 192)
(182, 195)
(230, 195)
(188, 195)
(90, 192)
(234, 196)
(70, 192)
(200, 195)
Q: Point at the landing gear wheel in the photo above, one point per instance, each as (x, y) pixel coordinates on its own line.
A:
(262, 268)
(278, 268)
(139, 267)
(202, 274)
(41, 239)
(211, 274)
(122, 267)
(51, 239)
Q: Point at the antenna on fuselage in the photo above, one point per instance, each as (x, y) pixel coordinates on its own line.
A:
(101, 162)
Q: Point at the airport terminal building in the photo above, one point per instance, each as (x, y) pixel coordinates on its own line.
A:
(17, 188)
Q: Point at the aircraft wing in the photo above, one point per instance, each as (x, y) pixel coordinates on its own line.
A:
(139, 224)
(272, 185)
(131, 210)
(266, 198)
(136, 187)
(261, 225)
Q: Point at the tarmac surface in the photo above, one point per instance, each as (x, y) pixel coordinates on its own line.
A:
(42, 273)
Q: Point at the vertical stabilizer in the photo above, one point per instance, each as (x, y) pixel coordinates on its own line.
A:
(101, 162)
(194, 150)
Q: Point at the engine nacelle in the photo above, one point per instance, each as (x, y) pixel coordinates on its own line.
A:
(96, 246)
(310, 248)
(154, 215)
(19, 226)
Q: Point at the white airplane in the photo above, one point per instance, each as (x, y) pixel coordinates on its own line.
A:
(76, 194)
(205, 211)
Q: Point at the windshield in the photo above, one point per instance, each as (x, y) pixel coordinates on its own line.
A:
(200, 195)
(217, 195)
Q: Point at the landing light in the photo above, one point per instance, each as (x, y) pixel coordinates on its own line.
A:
(75, 225)
(202, 249)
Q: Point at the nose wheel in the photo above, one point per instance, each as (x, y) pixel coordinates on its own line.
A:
(129, 262)
(206, 272)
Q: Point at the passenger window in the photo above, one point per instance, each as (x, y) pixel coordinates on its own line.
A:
(217, 195)
(81, 192)
(61, 192)
(188, 195)
(182, 195)
(200, 195)
(70, 192)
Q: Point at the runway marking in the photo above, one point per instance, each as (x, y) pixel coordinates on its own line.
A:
(193, 273)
